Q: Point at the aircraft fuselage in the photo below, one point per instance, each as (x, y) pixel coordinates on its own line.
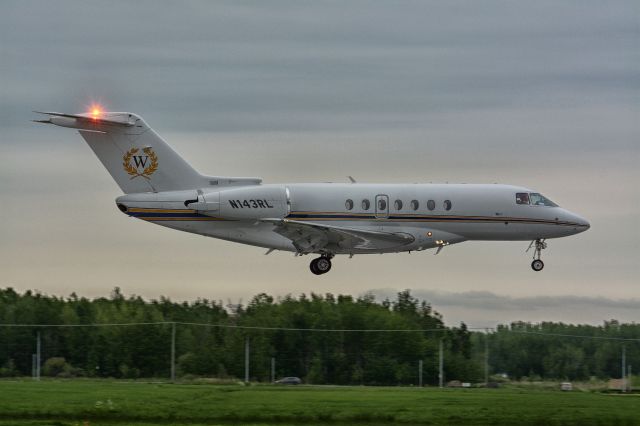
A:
(475, 212)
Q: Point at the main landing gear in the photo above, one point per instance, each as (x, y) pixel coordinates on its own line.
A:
(321, 265)
(538, 245)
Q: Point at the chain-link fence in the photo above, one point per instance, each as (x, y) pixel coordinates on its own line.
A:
(223, 352)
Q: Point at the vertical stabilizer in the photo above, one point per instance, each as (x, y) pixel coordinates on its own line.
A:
(136, 157)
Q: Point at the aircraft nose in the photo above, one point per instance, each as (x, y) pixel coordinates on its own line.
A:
(582, 224)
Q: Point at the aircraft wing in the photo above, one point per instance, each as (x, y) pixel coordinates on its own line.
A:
(312, 237)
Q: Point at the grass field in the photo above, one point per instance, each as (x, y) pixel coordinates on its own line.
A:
(141, 404)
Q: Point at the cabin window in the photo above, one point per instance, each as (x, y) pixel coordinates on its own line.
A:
(431, 204)
(382, 204)
(415, 204)
(522, 198)
(541, 200)
(447, 205)
(365, 204)
(398, 204)
(348, 204)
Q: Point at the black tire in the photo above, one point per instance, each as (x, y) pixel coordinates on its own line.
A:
(323, 265)
(314, 268)
(537, 265)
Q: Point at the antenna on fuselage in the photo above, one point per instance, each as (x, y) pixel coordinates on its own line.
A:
(352, 179)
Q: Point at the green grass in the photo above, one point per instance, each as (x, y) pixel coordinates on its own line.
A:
(67, 403)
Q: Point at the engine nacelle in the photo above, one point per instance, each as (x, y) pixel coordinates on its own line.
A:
(255, 202)
(168, 200)
(244, 203)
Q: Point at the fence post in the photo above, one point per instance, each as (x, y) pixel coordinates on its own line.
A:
(624, 368)
(38, 355)
(173, 351)
(486, 357)
(420, 373)
(273, 369)
(441, 366)
(246, 360)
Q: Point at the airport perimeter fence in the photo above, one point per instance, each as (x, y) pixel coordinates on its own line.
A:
(223, 352)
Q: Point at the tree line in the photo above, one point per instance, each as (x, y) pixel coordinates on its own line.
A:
(210, 340)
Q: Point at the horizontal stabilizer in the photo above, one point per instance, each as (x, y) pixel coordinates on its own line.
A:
(80, 120)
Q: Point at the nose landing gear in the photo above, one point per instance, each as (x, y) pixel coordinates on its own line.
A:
(538, 245)
(321, 265)
(537, 265)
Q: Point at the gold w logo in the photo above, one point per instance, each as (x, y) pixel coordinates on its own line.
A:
(142, 165)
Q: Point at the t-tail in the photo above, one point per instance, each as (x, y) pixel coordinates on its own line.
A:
(136, 157)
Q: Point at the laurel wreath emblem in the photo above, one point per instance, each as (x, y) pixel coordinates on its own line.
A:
(148, 171)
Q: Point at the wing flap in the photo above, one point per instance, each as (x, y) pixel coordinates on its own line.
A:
(312, 237)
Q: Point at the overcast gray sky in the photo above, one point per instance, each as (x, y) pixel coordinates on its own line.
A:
(543, 94)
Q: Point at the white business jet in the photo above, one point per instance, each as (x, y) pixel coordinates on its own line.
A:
(322, 218)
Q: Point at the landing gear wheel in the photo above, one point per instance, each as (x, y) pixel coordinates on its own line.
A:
(538, 246)
(323, 264)
(537, 265)
(320, 266)
(313, 267)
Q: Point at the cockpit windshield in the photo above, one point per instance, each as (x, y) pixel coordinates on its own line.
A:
(522, 198)
(534, 199)
(541, 200)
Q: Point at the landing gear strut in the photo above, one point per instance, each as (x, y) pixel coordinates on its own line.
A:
(538, 245)
(321, 265)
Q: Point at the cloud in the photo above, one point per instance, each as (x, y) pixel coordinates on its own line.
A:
(314, 66)
(486, 308)
(491, 301)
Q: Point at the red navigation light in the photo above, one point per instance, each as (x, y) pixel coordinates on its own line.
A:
(96, 111)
